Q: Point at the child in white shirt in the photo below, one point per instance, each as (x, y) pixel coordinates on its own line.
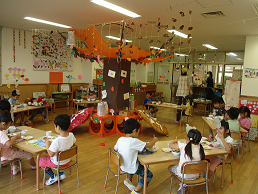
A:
(128, 147)
(222, 137)
(190, 150)
(64, 142)
(8, 153)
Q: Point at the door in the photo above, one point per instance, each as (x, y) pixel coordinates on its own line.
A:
(163, 79)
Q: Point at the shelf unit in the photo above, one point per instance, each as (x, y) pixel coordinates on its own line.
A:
(198, 91)
(81, 94)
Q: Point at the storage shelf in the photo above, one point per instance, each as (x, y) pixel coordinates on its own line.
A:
(61, 92)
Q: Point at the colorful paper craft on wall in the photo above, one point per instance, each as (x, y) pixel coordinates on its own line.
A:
(55, 77)
(111, 73)
(16, 73)
(252, 105)
(50, 54)
(251, 73)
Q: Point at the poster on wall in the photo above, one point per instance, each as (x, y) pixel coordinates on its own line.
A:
(163, 74)
(51, 54)
(252, 105)
(251, 73)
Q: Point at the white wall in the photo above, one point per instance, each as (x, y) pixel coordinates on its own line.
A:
(24, 59)
(250, 61)
(141, 71)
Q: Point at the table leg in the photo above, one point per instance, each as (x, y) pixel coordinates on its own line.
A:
(203, 128)
(223, 170)
(37, 172)
(205, 109)
(145, 179)
(77, 108)
(47, 113)
(181, 117)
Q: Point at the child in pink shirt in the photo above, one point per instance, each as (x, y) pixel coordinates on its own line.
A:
(244, 120)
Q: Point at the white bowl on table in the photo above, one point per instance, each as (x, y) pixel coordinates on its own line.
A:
(11, 129)
(215, 144)
(176, 153)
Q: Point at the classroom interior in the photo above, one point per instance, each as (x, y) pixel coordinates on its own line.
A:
(233, 32)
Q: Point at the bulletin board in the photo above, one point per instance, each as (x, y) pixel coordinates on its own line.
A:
(99, 73)
(163, 74)
(232, 93)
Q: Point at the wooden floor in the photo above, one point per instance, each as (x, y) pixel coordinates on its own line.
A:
(93, 161)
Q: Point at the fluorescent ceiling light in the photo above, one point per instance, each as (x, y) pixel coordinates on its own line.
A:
(181, 55)
(116, 8)
(179, 33)
(47, 22)
(209, 46)
(157, 48)
(116, 38)
(233, 54)
(239, 59)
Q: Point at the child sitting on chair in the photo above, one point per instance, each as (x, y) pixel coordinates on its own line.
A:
(231, 117)
(91, 95)
(151, 108)
(216, 110)
(225, 141)
(128, 147)
(14, 101)
(43, 111)
(187, 107)
(191, 150)
(244, 120)
(63, 142)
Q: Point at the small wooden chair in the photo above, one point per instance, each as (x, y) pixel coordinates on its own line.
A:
(73, 151)
(114, 163)
(193, 168)
(237, 135)
(191, 111)
(10, 162)
(227, 162)
(243, 144)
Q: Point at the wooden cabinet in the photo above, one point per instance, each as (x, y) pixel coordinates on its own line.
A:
(198, 92)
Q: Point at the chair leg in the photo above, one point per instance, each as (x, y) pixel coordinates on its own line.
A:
(238, 152)
(170, 185)
(117, 183)
(207, 190)
(248, 142)
(58, 180)
(20, 169)
(77, 173)
(44, 176)
(105, 185)
(231, 171)
(214, 178)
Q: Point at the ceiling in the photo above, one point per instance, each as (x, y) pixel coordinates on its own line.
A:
(226, 33)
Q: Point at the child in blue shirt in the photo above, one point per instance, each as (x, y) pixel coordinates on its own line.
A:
(14, 101)
(151, 108)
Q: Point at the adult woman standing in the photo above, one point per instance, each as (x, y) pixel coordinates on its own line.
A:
(209, 83)
(182, 90)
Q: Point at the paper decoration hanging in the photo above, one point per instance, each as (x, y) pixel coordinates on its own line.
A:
(13, 45)
(70, 78)
(24, 36)
(111, 73)
(104, 83)
(112, 89)
(80, 76)
(126, 95)
(123, 73)
(19, 38)
(122, 81)
(104, 94)
(8, 86)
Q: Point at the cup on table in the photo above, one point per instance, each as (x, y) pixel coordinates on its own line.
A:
(48, 133)
(15, 108)
(24, 132)
(29, 103)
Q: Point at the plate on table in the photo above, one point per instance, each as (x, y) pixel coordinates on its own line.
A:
(166, 149)
(12, 134)
(28, 137)
(204, 139)
(154, 148)
(206, 147)
(32, 141)
(49, 138)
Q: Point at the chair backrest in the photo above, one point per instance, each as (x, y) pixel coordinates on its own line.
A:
(67, 153)
(195, 167)
(235, 134)
(114, 157)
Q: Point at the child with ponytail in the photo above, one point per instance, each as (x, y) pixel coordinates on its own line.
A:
(5, 143)
(190, 150)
